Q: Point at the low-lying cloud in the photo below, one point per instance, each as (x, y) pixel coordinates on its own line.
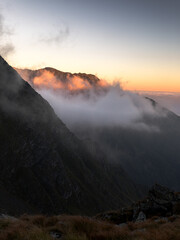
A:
(85, 101)
(111, 107)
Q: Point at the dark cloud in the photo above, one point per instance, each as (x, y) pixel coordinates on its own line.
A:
(6, 47)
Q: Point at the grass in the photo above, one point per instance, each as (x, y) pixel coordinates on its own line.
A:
(84, 228)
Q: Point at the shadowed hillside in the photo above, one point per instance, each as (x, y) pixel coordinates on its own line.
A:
(132, 131)
(44, 167)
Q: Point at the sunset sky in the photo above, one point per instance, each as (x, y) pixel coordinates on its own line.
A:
(134, 41)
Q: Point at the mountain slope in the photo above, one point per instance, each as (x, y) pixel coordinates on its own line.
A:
(44, 167)
(148, 155)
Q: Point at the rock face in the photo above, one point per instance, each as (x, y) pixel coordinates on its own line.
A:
(160, 201)
(44, 168)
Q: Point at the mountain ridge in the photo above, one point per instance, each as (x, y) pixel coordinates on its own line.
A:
(56, 76)
(44, 165)
(149, 153)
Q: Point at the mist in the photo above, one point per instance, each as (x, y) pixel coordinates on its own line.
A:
(83, 101)
(109, 107)
(6, 47)
(58, 37)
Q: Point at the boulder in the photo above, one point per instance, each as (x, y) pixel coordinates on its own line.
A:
(141, 217)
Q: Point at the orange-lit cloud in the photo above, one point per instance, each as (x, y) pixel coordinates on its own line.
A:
(77, 83)
(47, 79)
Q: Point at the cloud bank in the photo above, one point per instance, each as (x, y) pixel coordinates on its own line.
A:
(85, 101)
(109, 108)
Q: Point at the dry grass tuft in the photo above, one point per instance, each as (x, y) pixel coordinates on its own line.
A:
(84, 228)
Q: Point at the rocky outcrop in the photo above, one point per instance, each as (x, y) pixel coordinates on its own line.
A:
(160, 201)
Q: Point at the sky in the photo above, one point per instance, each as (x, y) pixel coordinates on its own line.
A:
(135, 42)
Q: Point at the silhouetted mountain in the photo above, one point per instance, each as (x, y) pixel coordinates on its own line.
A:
(43, 166)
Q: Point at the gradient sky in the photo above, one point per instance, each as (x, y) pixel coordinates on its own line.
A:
(134, 41)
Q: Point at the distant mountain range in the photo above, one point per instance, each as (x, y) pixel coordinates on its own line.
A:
(147, 156)
(45, 168)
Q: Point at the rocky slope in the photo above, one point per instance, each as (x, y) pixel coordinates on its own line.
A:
(43, 166)
(160, 202)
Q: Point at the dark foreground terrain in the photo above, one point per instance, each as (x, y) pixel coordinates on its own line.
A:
(83, 228)
(155, 218)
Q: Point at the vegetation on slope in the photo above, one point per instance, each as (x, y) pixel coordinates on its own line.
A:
(84, 228)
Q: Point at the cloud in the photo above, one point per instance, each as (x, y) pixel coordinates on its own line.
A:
(56, 38)
(84, 101)
(6, 47)
(113, 107)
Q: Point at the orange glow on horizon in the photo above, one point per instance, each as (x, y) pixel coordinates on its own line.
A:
(74, 82)
(154, 87)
